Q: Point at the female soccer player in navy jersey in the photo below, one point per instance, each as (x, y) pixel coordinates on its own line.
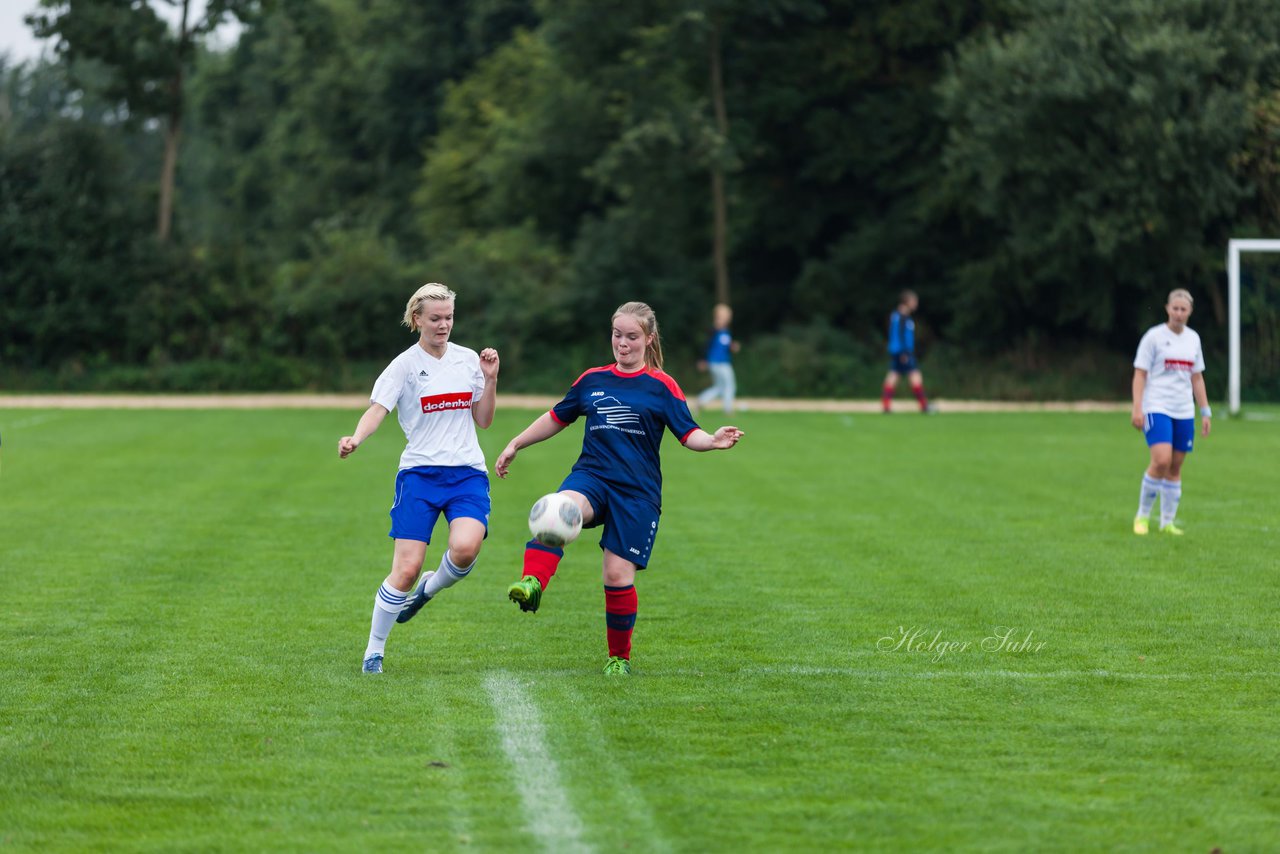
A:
(617, 481)
(1168, 373)
(443, 391)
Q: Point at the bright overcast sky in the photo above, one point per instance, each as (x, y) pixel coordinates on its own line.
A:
(15, 37)
(17, 41)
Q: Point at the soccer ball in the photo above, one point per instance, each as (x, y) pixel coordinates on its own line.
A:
(555, 520)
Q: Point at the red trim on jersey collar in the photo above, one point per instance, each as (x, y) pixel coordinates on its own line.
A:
(668, 381)
(664, 378)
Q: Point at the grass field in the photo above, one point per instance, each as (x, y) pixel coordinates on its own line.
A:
(186, 598)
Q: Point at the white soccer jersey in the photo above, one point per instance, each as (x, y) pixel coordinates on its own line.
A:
(1169, 359)
(432, 398)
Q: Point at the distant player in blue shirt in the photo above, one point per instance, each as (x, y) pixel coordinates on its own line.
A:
(719, 360)
(902, 353)
(617, 480)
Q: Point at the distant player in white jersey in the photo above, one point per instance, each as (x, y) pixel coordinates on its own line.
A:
(1168, 373)
(442, 392)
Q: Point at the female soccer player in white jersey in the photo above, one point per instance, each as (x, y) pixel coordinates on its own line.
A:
(1167, 372)
(442, 391)
(617, 480)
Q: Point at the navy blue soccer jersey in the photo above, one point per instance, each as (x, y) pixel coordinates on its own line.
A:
(626, 414)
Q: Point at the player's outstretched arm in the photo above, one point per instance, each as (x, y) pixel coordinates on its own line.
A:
(540, 430)
(722, 440)
(482, 410)
(369, 422)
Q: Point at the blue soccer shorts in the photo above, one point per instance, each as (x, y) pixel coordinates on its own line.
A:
(630, 522)
(902, 366)
(1160, 429)
(423, 492)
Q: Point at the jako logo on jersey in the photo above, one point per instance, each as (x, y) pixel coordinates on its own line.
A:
(596, 394)
(615, 411)
(442, 402)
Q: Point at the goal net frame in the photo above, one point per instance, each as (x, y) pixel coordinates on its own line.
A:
(1234, 247)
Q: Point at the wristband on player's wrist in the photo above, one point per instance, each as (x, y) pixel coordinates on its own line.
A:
(1206, 412)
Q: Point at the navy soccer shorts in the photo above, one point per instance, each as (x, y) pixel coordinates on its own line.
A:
(902, 366)
(630, 522)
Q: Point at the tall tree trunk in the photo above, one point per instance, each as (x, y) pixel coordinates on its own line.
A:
(720, 249)
(172, 134)
(168, 168)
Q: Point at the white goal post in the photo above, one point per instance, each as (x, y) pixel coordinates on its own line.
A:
(1234, 248)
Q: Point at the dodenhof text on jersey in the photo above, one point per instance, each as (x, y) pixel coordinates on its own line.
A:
(442, 402)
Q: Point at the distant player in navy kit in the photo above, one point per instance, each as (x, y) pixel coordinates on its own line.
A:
(617, 481)
(719, 360)
(902, 353)
(1168, 372)
(442, 391)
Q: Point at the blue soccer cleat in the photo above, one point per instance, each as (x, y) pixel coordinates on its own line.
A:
(415, 603)
(373, 664)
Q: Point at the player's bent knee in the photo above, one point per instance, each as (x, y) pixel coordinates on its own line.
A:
(405, 569)
(618, 571)
(464, 554)
(402, 577)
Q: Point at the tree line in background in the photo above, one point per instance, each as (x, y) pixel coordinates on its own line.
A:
(1041, 172)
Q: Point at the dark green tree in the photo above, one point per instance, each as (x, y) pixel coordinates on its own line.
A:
(1090, 158)
(145, 62)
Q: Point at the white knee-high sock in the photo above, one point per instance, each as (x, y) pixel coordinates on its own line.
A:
(1147, 497)
(1170, 495)
(447, 574)
(386, 605)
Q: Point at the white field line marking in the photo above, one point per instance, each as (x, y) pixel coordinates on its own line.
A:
(33, 421)
(548, 813)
